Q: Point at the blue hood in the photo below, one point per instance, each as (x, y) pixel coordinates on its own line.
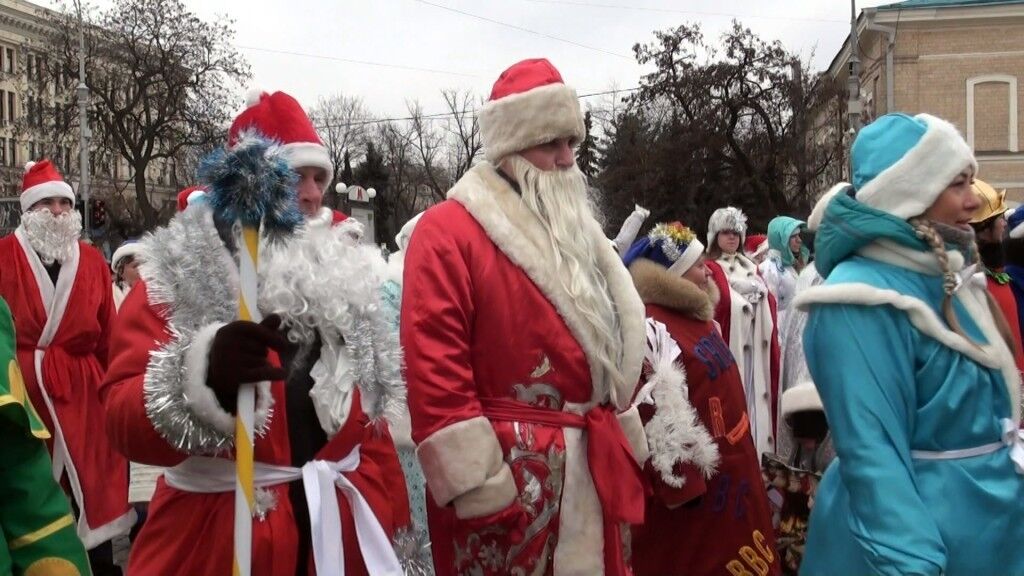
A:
(780, 229)
(848, 226)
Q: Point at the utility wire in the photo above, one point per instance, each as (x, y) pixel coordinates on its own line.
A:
(677, 11)
(440, 115)
(363, 62)
(522, 29)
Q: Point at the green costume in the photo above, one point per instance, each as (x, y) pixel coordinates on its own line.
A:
(38, 528)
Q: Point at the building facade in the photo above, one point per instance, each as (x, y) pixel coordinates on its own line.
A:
(959, 60)
(31, 128)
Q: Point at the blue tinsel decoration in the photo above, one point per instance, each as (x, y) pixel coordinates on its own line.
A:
(252, 183)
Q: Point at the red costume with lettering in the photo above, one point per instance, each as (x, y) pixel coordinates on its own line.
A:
(63, 333)
(717, 521)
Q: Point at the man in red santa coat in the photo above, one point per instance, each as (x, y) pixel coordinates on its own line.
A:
(524, 338)
(58, 289)
(330, 493)
(709, 513)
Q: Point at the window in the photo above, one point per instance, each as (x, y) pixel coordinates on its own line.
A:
(30, 67)
(10, 107)
(3, 115)
(12, 146)
(31, 150)
(9, 61)
(31, 116)
(992, 113)
(3, 151)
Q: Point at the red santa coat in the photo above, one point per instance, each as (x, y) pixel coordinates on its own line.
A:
(63, 336)
(730, 307)
(189, 533)
(1003, 295)
(710, 525)
(496, 354)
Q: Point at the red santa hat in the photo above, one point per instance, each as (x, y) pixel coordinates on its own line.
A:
(529, 105)
(279, 116)
(42, 181)
(755, 245)
(189, 195)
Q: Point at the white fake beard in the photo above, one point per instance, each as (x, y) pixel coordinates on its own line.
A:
(559, 199)
(52, 237)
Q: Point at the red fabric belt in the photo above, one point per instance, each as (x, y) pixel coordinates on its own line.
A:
(617, 477)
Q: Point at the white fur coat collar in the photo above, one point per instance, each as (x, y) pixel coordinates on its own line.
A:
(502, 214)
(972, 295)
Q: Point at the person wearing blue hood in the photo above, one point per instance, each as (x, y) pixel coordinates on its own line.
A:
(914, 366)
(787, 256)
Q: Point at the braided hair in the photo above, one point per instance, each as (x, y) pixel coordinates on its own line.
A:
(950, 281)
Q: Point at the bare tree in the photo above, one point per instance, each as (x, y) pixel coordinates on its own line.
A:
(162, 81)
(464, 142)
(344, 124)
(446, 144)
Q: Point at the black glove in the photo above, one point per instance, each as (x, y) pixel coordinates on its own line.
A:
(238, 356)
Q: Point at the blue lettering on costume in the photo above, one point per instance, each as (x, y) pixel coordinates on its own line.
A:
(706, 357)
(714, 354)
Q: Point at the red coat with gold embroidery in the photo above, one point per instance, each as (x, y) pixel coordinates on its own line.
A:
(484, 317)
(716, 525)
(66, 328)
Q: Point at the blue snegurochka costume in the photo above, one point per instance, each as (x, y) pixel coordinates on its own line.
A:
(928, 475)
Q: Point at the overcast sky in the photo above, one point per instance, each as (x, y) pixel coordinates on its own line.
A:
(424, 46)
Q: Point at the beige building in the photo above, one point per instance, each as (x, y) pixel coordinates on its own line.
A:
(26, 89)
(960, 60)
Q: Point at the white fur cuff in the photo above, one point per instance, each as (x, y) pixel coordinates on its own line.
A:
(495, 494)
(201, 399)
(633, 428)
(520, 121)
(801, 398)
(460, 458)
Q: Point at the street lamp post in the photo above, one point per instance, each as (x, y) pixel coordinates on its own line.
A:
(83, 124)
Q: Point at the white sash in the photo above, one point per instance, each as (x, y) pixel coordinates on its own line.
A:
(1012, 438)
(200, 474)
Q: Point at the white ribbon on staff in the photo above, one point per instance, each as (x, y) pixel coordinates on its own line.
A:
(320, 478)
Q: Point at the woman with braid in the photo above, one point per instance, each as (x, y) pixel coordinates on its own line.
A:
(914, 364)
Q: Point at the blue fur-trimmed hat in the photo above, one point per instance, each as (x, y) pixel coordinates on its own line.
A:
(901, 163)
(672, 245)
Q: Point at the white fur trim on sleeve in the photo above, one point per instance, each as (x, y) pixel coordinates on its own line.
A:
(520, 121)
(459, 458)
(495, 494)
(911, 185)
(201, 399)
